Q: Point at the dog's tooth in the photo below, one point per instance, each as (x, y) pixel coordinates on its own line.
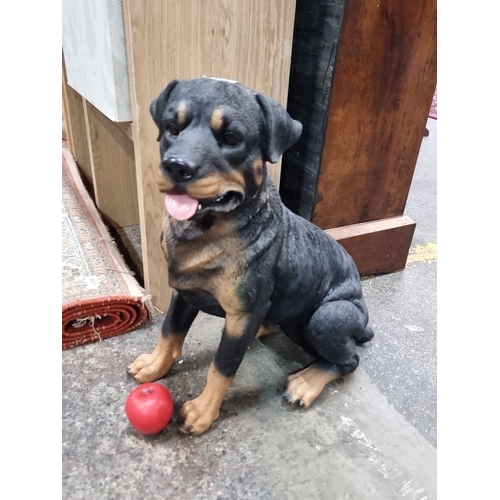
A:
(199, 206)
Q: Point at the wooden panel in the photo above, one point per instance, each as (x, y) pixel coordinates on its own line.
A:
(75, 128)
(384, 80)
(377, 247)
(65, 111)
(247, 41)
(113, 169)
(126, 128)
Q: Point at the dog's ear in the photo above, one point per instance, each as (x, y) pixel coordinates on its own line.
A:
(157, 107)
(281, 129)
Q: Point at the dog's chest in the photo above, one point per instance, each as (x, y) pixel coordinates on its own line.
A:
(208, 261)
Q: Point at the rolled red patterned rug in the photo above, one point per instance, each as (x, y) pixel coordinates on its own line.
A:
(100, 296)
(98, 319)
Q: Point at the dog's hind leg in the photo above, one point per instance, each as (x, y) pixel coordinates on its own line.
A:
(151, 367)
(333, 331)
(366, 336)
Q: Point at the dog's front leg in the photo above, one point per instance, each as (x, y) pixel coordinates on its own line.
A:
(197, 415)
(151, 367)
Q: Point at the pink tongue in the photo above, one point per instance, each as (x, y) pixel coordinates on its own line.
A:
(181, 206)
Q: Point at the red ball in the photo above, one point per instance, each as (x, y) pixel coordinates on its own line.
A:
(149, 408)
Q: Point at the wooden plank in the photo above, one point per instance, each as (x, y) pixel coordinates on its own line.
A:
(245, 41)
(65, 110)
(126, 128)
(383, 86)
(113, 169)
(75, 128)
(379, 246)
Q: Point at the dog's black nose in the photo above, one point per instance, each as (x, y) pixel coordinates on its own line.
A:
(179, 169)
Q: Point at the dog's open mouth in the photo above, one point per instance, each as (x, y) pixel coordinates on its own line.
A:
(183, 207)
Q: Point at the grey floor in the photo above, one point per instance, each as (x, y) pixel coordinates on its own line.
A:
(369, 436)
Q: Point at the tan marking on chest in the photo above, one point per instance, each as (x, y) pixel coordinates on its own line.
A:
(194, 258)
(211, 263)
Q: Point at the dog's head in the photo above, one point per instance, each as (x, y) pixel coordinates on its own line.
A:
(215, 139)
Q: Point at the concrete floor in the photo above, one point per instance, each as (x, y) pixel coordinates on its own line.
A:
(371, 435)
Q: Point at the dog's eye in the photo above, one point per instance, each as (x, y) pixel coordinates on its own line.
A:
(230, 139)
(172, 130)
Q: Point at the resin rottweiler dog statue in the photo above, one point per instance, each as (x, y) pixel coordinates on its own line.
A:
(235, 251)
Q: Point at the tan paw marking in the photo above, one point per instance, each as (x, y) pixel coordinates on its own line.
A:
(148, 367)
(305, 386)
(197, 416)
(267, 329)
(151, 367)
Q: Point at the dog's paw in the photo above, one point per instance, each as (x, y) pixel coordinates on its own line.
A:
(300, 393)
(150, 367)
(305, 386)
(197, 415)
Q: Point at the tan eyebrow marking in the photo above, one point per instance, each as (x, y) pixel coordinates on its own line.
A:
(217, 119)
(181, 112)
